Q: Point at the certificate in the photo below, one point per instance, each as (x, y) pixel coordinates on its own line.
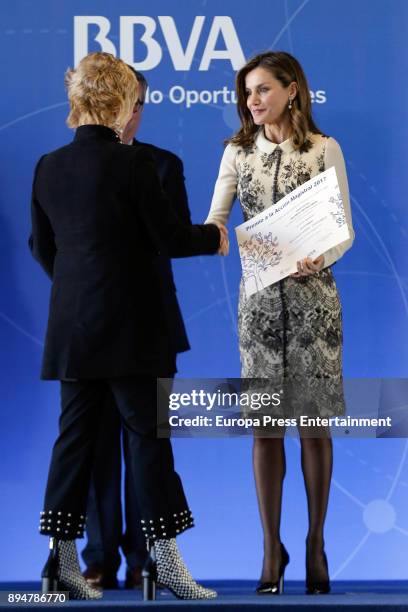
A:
(305, 223)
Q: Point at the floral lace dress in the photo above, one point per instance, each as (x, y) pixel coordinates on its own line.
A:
(291, 331)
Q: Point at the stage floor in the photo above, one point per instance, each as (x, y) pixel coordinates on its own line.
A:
(239, 595)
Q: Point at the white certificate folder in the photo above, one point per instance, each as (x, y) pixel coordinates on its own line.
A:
(307, 222)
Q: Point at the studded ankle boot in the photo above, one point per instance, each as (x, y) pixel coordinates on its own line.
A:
(62, 572)
(173, 574)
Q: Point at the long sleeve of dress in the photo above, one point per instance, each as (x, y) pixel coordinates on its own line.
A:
(225, 188)
(334, 157)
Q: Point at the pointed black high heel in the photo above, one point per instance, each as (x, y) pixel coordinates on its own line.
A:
(50, 573)
(275, 588)
(149, 574)
(317, 587)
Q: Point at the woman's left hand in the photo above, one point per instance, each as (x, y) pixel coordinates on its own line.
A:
(308, 266)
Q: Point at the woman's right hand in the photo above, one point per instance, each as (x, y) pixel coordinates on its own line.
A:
(224, 242)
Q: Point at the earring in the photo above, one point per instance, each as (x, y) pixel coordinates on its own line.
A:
(118, 130)
(290, 104)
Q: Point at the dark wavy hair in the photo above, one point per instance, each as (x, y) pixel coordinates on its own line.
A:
(286, 69)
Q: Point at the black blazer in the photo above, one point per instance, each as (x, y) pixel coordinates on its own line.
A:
(100, 225)
(171, 173)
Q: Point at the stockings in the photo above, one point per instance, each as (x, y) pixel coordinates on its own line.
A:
(269, 470)
(317, 464)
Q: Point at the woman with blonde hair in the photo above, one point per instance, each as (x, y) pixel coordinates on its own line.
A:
(290, 332)
(100, 223)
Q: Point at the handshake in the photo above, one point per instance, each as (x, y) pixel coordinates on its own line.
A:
(224, 242)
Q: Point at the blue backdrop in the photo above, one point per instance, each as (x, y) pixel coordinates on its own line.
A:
(354, 56)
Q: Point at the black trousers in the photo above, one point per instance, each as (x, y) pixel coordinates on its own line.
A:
(104, 526)
(164, 512)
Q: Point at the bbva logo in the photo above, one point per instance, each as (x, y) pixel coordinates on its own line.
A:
(182, 58)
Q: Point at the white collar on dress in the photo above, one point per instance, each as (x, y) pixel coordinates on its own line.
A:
(266, 146)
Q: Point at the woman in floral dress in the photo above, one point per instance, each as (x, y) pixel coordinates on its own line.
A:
(290, 332)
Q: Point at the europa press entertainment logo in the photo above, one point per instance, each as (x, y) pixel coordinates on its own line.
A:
(222, 43)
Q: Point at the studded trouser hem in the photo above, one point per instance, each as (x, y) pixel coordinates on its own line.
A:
(167, 526)
(62, 525)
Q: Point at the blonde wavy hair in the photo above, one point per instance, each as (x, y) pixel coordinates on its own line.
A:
(101, 90)
(286, 69)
